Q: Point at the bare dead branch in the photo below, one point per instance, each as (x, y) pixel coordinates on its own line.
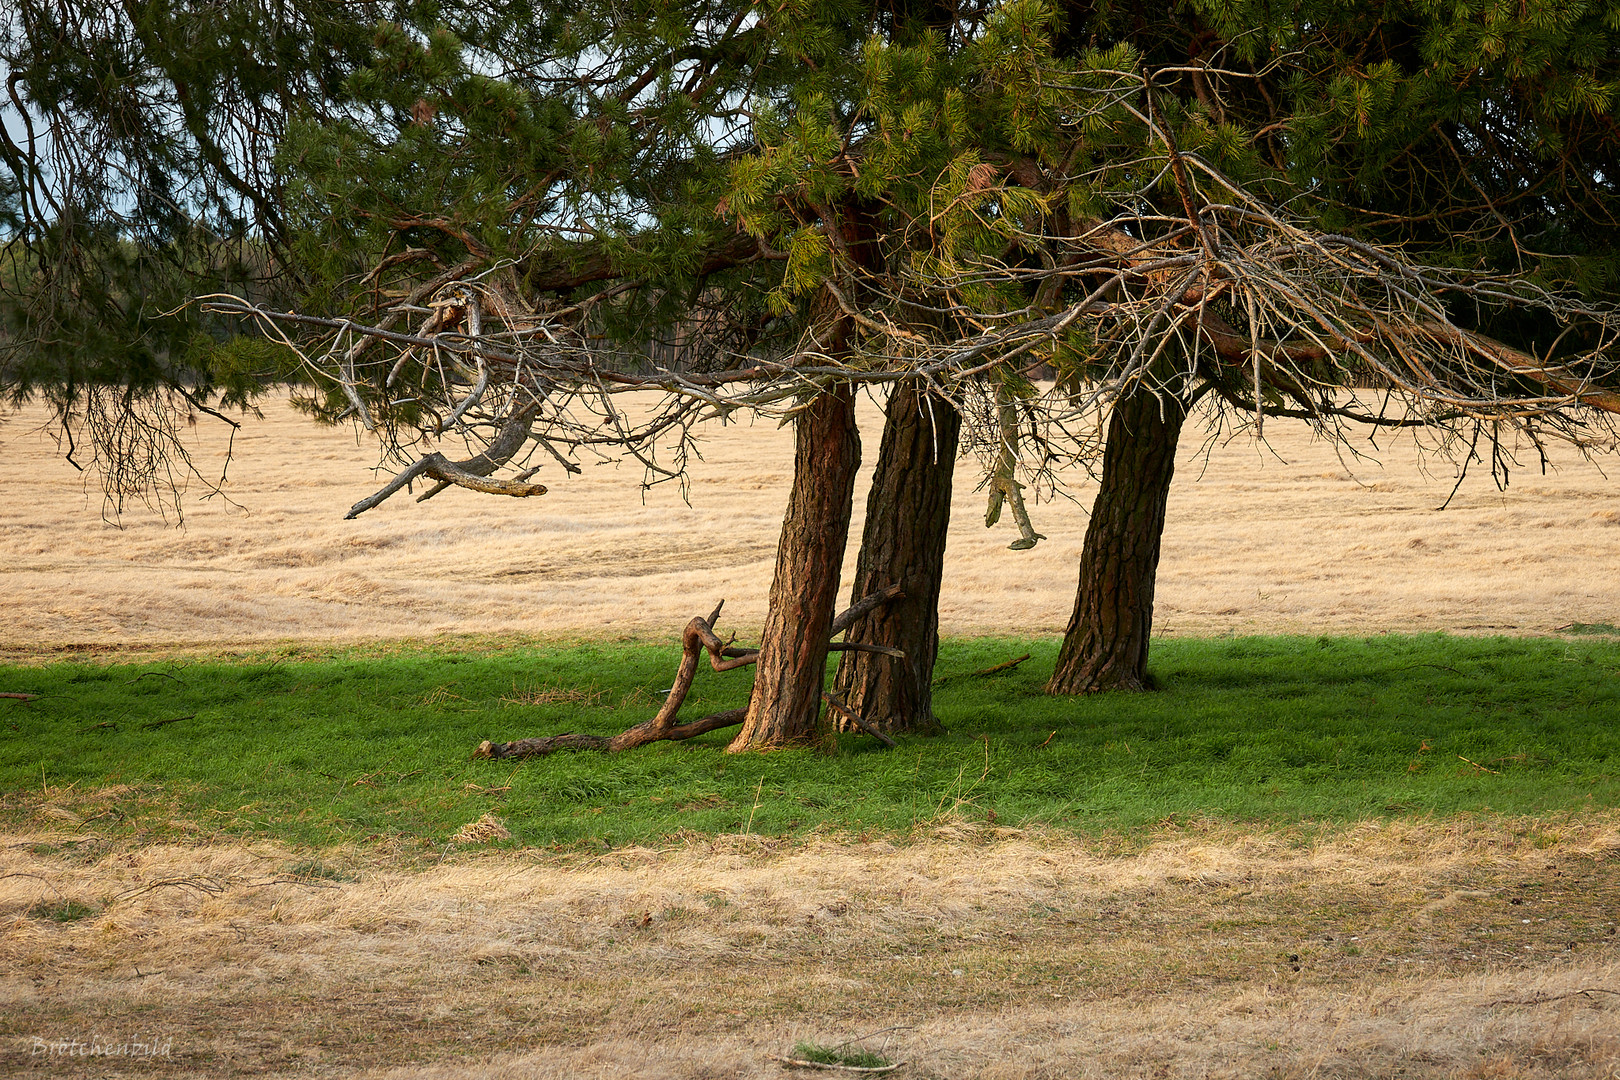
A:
(802, 1063)
(697, 639)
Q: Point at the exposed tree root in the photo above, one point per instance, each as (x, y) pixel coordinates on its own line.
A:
(698, 638)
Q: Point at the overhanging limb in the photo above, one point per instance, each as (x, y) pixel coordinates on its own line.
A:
(442, 469)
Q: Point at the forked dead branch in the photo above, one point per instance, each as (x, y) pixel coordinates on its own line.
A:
(697, 639)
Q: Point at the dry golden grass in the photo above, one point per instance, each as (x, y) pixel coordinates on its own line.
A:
(1285, 539)
(1449, 950)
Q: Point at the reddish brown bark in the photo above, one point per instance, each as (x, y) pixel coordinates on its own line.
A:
(903, 544)
(786, 701)
(1106, 646)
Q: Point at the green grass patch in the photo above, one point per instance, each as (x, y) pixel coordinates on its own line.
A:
(839, 1055)
(62, 911)
(378, 748)
(1590, 629)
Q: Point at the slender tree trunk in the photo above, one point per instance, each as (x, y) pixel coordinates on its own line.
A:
(791, 672)
(1106, 646)
(903, 543)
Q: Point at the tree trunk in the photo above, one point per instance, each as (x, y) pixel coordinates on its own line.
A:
(791, 671)
(1106, 646)
(903, 543)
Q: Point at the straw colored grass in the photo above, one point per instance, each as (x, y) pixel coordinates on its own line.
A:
(1283, 539)
(1418, 949)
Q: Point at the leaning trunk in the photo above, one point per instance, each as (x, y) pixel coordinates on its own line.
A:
(791, 672)
(1106, 646)
(903, 543)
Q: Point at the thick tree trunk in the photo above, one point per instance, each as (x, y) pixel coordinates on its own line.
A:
(791, 672)
(1106, 646)
(903, 543)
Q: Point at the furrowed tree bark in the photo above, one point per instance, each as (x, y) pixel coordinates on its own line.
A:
(1106, 645)
(790, 675)
(903, 544)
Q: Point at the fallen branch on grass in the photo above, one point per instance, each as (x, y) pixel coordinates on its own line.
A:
(698, 638)
(155, 724)
(20, 697)
(20, 873)
(1007, 665)
(206, 886)
(856, 718)
(159, 674)
(305, 882)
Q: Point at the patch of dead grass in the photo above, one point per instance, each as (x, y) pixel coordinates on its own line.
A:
(556, 695)
(1426, 948)
(486, 829)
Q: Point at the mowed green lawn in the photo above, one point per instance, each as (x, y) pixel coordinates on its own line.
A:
(376, 745)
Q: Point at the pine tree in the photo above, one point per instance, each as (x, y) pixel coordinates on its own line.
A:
(1476, 136)
(136, 170)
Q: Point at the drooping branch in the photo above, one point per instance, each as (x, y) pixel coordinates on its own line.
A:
(438, 467)
(1003, 481)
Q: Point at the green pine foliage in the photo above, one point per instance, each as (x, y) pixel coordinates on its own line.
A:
(352, 154)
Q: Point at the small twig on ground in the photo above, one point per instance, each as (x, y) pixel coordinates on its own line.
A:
(36, 877)
(1049, 738)
(801, 1063)
(1478, 766)
(202, 885)
(159, 674)
(175, 720)
(1007, 665)
(290, 881)
(20, 697)
(1545, 998)
(871, 1035)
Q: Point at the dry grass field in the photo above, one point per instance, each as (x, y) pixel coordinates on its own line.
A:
(1396, 950)
(1285, 538)
(1462, 949)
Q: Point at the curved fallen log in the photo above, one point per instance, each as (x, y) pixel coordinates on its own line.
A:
(697, 639)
